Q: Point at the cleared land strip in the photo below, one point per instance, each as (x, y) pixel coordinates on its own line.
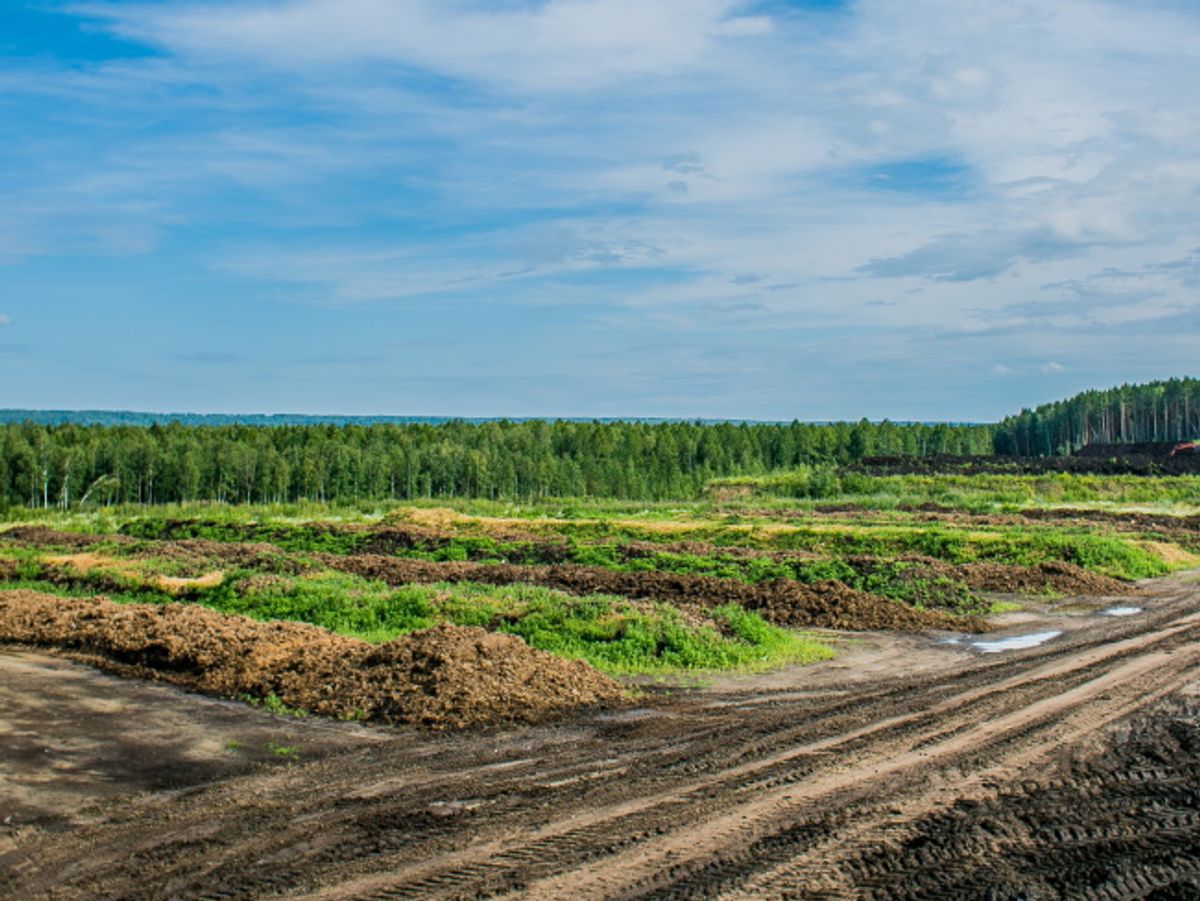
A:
(699, 798)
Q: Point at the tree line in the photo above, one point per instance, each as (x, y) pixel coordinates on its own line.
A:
(73, 465)
(1156, 411)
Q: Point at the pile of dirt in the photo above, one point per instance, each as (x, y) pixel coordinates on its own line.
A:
(1133, 521)
(203, 552)
(1055, 576)
(1063, 578)
(1122, 463)
(447, 677)
(41, 536)
(784, 602)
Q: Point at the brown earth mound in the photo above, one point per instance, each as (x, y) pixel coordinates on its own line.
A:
(447, 677)
(1056, 576)
(1064, 578)
(822, 604)
(41, 536)
(250, 555)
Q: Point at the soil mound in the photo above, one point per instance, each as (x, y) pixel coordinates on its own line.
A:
(248, 555)
(447, 677)
(1064, 578)
(1057, 576)
(1123, 462)
(41, 536)
(822, 604)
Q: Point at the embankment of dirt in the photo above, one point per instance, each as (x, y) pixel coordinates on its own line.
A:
(43, 536)
(1124, 462)
(829, 605)
(1055, 576)
(448, 677)
(255, 555)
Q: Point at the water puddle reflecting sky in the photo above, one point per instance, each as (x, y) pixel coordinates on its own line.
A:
(1014, 642)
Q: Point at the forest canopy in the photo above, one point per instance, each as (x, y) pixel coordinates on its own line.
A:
(1155, 411)
(65, 462)
(63, 465)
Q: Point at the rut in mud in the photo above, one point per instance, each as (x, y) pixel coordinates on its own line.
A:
(440, 678)
(1067, 769)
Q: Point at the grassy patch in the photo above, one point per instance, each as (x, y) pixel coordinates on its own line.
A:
(611, 633)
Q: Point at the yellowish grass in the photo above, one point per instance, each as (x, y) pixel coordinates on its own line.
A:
(89, 562)
(1170, 554)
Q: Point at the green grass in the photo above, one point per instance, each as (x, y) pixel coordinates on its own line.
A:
(981, 493)
(611, 633)
(601, 545)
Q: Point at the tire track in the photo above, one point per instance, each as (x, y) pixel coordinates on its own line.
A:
(779, 772)
(705, 796)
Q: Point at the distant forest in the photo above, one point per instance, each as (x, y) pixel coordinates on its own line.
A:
(71, 463)
(141, 418)
(1156, 411)
(74, 465)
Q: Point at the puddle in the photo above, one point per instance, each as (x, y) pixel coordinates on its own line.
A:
(1121, 611)
(1014, 643)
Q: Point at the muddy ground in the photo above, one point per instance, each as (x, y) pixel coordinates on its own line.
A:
(907, 768)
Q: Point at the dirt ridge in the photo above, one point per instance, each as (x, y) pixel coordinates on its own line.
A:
(826, 604)
(447, 677)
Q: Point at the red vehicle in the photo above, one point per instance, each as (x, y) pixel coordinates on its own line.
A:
(1186, 447)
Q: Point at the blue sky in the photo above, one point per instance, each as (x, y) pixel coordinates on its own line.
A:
(931, 209)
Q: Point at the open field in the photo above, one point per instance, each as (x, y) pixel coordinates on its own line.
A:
(812, 699)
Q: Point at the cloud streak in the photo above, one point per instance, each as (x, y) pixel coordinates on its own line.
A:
(714, 171)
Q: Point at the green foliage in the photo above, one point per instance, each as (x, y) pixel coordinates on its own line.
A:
(984, 492)
(616, 636)
(68, 465)
(610, 633)
(340, 603)
(1156, 411)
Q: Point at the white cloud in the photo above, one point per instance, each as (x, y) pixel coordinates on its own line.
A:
(5, 320)
(642, 158)
(546, 47)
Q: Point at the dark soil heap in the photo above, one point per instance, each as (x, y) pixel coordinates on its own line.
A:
(1056, 576)
(830, 605)
(43, 536)
(447, 677)
(1065, 578)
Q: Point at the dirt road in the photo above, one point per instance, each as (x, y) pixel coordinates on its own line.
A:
(1067, 770)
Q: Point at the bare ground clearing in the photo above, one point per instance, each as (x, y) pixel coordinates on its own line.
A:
(904, 769)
